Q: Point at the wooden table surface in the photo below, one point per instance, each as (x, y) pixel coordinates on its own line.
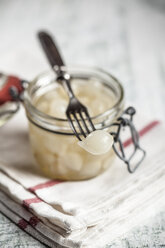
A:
(126, 38)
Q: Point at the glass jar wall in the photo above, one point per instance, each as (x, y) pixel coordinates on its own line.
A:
(53, 144)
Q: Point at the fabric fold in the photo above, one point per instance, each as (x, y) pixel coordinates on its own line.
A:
(87, 213)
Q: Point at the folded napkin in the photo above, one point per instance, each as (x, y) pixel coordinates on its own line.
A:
(88, 213)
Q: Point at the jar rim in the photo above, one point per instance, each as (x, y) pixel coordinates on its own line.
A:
(32, 112)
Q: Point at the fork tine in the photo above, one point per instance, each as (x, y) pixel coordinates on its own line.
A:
(79, 125)
(89, 119)
(72, 125)
(84, 123)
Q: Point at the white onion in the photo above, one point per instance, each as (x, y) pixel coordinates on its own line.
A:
(97, 142)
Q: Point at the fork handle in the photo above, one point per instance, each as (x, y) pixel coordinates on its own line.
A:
(51, 50)
(56, 61)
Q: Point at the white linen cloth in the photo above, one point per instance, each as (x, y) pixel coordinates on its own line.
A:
(87, 213)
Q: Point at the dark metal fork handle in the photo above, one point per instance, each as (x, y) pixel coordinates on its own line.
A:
(56, 61)
(50, 49)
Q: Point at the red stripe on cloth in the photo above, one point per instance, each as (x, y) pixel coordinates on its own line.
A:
(143, 131)
(22, 224)
(34, 221)
(47, 184)
(26, 203)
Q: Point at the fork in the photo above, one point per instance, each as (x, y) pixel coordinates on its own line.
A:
(77, 114)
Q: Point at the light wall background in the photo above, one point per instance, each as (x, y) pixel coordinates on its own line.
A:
(127, 38)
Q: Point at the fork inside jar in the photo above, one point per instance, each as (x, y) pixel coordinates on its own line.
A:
(57, 154)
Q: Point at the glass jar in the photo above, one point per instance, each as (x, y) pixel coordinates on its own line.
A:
(53, 143)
